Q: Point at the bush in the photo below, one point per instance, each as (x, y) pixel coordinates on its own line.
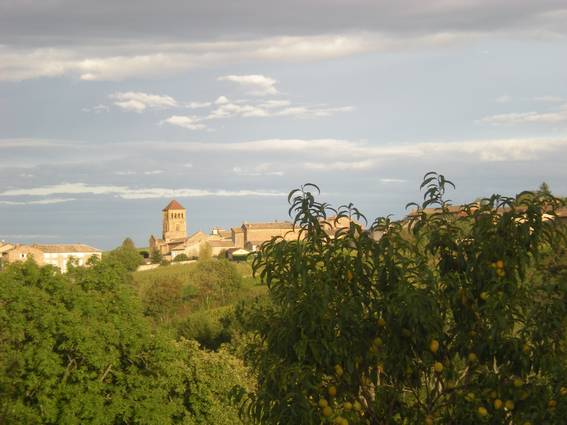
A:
(127, 255)
(206, 328)
(76, 348)
(216, 281)
(447, 319)
(181, 257)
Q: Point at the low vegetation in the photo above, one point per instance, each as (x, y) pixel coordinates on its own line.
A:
(446, 319)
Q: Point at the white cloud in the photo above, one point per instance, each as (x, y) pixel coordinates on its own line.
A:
(338, 151)
(340, 165)
(188, 122)
(550, 99)
(97, 109)
(265, 169)
(38, 202)
(125, 173)
(258, 85)
(198, 105)
(153, 172)
(503, 99)
(133, 193)
(532, 117)
(158, 60)
(391, 180)
(139, 101)
(221, 100)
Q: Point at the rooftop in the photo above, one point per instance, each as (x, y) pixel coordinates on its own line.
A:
(61, 248)
(174, 205)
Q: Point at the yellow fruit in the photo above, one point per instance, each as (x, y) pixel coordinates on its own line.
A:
(470, 397)
(509, 405)
(323, 403)
(327, 411)
(498, 404)
(526, 348)
(429, 420)
(438, 367)
(356, 406)
(332, 391)
(339, 370)
(500, 273)
(563, 391)
(484, 296)
(518, 382)
(472, 358)
(377, 342)
(482, 411)
(551, 404)
(349, 275)
(434, 346)
(381, 322)
(347, 406)
(499, 264)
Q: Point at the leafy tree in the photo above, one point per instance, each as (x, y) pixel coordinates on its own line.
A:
(128, 255)
(544, 189)
(163, 298)
(76, 348)
(216, 281)
(446, 319)
(205, 251)
(155, 256)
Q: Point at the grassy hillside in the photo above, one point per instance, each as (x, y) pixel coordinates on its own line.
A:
(197, 300)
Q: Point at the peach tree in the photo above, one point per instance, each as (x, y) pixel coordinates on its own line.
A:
(450, 317)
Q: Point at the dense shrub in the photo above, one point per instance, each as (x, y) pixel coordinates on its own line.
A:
(216, 281)
(448, 319)
(76, 348)
(127, 254)
(181, 257)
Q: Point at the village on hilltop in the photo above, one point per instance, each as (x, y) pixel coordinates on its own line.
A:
(235, 242)
(176, 243)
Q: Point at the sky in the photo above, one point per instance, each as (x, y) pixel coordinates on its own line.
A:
(111, 108)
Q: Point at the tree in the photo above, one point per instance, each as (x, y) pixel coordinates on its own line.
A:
(446, 319)
(216, 281)
(205, 251)
(127, 254)
(155, 256)
(76, 348)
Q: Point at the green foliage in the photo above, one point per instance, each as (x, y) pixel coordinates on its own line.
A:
(216, 281)
(76, 348)
(208, 327)
(155, 256)
(127, 254)
(205, 251)
(181, 257)
(448, 319)
(163, 298)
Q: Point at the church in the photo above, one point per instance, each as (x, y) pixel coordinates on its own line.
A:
(248, 237)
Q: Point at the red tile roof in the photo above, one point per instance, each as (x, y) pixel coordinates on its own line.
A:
(174, 205)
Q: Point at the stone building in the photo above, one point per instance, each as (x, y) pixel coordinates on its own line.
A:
(248, 236)
(57, 255)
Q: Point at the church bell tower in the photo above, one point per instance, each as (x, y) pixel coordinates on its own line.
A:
(174, 221)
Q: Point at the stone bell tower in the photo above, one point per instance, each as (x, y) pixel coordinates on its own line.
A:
(174, 221)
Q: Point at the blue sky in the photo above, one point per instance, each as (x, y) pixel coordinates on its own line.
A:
(110, 109)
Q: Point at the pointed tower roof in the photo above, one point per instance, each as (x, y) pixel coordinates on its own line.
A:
(174, 205)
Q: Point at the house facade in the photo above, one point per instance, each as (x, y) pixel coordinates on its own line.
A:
(57, 255)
